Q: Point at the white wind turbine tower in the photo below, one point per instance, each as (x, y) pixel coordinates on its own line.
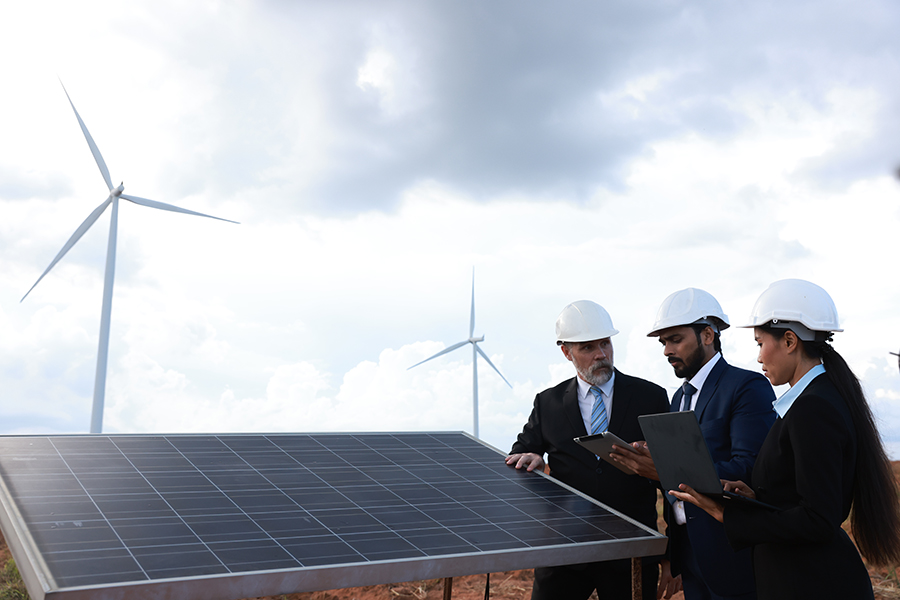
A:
(114, 195)
(475, 352)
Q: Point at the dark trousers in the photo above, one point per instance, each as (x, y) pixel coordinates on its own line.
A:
(695, 587)
(611, 579)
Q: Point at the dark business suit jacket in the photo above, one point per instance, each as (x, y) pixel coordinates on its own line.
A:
(735, 412)
(556, 420)
(805, 468)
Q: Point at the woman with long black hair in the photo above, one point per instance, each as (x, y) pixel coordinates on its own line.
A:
(822, 457)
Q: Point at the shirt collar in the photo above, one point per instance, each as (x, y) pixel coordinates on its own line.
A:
(584, 388)
(700, 378)
(784, 403)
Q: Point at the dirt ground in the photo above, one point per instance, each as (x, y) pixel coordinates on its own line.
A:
(504, 586)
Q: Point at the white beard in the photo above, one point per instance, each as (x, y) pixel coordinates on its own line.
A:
(593, 376)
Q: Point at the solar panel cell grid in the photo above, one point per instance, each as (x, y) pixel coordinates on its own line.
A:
(127, 510)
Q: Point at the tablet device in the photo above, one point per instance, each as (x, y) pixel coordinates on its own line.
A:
(681, 456)
(601, 444)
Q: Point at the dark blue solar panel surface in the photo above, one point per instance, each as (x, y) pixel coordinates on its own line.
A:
(110, 510)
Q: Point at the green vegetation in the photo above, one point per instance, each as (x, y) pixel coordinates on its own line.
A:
(11, 585)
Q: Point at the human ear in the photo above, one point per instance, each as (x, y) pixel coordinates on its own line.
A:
(790, 341)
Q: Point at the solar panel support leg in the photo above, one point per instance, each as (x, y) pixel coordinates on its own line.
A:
(448, 587)
(636, 592)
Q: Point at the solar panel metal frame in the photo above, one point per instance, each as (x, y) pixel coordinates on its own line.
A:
(245, 584)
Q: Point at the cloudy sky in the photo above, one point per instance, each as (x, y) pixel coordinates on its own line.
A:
(375, 153)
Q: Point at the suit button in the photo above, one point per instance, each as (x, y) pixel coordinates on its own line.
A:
(599, 470)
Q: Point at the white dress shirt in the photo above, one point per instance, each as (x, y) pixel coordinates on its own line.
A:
(586, 399)
(700, 378)
(697, 381)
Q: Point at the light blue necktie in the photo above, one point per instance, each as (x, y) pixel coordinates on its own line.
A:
(599, 420)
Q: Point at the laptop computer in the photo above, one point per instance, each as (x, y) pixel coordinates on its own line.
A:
(681, 456)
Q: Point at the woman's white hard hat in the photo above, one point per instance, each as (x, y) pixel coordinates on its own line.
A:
(583, 321)
(687, 307)
(789, 302)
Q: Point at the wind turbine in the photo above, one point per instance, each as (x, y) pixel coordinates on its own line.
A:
(113, 199)
(475, 352)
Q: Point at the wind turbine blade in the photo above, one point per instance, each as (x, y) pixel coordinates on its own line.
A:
(72, 240)
(164, 206)
(472, 314)
(94, 150)
(484, 356)
(444, 351)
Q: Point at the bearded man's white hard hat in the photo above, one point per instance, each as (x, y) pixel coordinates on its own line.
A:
(687, 307)
(583, 321)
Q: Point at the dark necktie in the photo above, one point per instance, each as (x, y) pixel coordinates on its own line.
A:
(688, 390)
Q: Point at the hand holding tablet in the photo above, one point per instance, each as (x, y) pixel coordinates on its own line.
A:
(601, 445)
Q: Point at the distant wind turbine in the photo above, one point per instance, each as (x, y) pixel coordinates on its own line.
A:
(114, 195)
(475, 352)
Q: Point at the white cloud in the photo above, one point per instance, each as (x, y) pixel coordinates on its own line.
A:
(375, 155)
(372, 396)
(378, 73)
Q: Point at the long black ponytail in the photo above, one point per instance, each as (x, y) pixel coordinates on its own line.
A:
(875, 518)
(875, 515)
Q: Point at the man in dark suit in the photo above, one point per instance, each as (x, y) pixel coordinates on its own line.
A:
(734, 408)
(600, 398)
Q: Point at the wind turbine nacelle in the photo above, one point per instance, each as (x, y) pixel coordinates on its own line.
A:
(116, 192)
(476, 339)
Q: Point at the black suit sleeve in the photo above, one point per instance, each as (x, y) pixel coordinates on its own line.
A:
(814, 443)
(751, 419)
(554, 423)
(531, 439)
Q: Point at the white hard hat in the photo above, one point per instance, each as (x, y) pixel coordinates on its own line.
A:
(798, 305)
(689, 306)
(583, 321)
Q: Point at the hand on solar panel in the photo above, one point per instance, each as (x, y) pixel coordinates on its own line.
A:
(688, 494)
(637, 458)
(529, 461)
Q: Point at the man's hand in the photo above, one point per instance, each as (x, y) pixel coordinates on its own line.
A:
(637, 458)
(668, 585)
(528, 461)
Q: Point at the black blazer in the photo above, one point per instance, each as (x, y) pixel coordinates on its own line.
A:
(735, 413)
(556, 420)
(806, 468)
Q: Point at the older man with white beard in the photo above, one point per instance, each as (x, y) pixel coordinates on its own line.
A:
(600, 398)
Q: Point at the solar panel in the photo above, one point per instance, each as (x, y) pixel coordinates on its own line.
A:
(238, 516)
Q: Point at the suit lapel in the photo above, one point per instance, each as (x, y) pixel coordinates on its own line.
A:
(573, 412)
(676, 400)
(709, 387)
(621, 396)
